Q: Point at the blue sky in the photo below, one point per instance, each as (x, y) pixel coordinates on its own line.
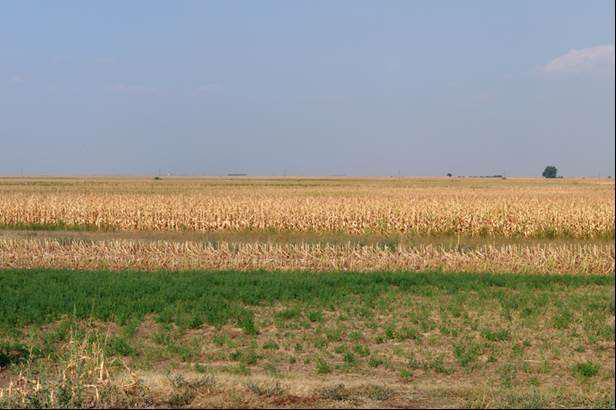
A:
(307, 87)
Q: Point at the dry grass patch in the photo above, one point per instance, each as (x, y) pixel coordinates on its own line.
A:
(155, 255)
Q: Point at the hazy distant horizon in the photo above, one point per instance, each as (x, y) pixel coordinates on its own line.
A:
(307, 88)
(482, 176)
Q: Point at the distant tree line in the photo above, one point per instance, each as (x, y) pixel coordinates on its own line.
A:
(549, 172)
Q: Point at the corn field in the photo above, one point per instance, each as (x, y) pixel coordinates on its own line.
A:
(517, 226)
(572, 209)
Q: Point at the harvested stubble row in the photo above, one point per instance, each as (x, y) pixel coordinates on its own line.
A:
(156, 255)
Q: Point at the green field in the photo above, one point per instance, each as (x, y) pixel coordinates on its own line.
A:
(301, 339)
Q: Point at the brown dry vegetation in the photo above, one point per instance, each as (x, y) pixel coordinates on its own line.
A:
(154, 255)
(512, 208)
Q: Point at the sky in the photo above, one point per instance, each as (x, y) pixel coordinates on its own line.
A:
(315, 87)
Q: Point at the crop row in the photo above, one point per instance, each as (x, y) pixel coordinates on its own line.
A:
(509, 215)
(121, 254)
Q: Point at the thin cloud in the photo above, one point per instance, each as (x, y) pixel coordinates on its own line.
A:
(133, 89)
(584, 60)
(207, 88)
(105, 60)
(17, 79)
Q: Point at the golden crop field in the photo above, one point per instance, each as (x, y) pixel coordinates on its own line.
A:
(515, 225)
(581, 209)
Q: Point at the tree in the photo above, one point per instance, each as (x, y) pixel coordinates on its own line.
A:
(550, 172)
(449, 174)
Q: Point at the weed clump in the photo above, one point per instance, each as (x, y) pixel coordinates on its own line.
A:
(586, 369)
